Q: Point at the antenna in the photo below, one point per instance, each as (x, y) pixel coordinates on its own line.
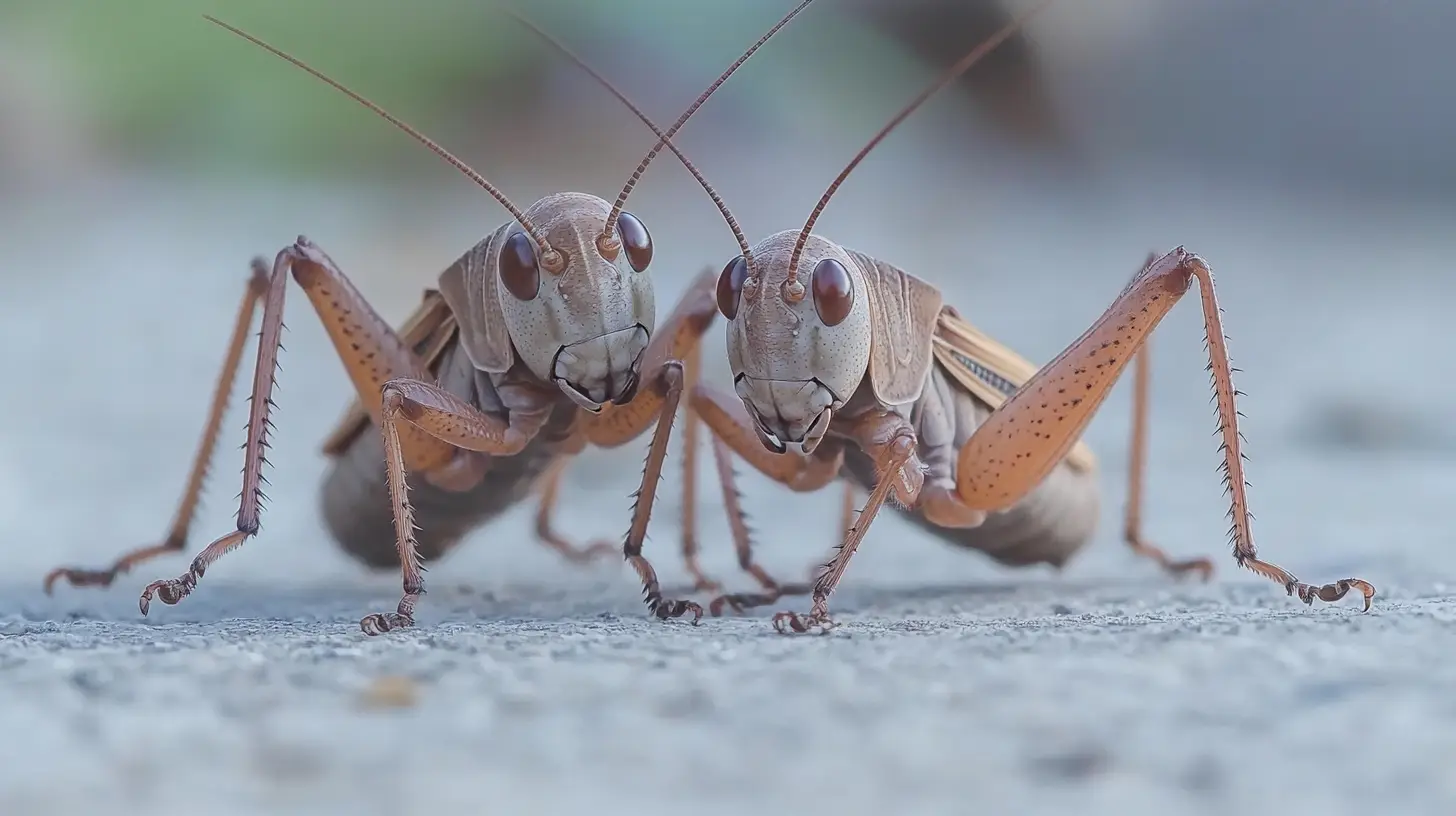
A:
(547, 252)
(606, 83)
(642, 168)
(793, 289)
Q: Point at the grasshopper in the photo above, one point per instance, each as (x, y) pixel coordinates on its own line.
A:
(874, 379)
(538, 341)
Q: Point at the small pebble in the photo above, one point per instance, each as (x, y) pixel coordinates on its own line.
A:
(390, 692)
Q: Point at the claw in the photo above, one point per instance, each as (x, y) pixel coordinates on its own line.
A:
(676, 609)
(168, 592)
(1329, 593)
(380, 623)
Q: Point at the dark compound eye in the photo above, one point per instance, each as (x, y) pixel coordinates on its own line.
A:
(635, 240)
(730, 286)
(833, 291)
(518, 270)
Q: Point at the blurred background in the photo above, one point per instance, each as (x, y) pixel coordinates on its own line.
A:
(1302, 147)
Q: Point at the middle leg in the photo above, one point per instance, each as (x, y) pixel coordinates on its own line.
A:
(1137, 462)
(743, 545)
(885, 436)
(546, 532)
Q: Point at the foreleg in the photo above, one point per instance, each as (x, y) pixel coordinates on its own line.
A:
(891, 443)
(448, 418)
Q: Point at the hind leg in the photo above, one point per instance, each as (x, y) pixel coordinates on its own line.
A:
(371, 352)
(1030, 433)
(176, 538)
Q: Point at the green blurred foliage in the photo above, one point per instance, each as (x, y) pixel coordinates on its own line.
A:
(157, 83)
(158, 80)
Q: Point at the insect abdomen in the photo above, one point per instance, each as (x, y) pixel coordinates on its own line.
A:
(355, 498)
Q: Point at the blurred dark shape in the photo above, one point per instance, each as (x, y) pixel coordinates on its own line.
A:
(1010, 83)
(1365, 426)
(40, 135)
(1347, 98)
(1071, 763)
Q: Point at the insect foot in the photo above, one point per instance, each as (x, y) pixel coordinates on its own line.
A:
(665, 608)
(173, 591)
(381, 622)
(1329, 593)
(786, 623)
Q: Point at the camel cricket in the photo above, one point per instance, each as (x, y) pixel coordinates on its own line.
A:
(537, 342)
(874, 378)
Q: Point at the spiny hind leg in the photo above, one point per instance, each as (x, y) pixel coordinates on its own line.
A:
(371, 352)
(1019, 444)
(176, 538)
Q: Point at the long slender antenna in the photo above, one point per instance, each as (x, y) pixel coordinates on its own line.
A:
(547, 252)
(642, 168)
(795, 290)
(606, 83)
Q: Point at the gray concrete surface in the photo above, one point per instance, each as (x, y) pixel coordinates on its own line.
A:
(953, 687)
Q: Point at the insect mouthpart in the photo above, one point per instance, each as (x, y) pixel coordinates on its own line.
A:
(601, 369)
(788, 412)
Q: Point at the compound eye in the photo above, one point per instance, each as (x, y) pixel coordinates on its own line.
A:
(833, 291)
(730, 286)
(635, 240)
(519, 272)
